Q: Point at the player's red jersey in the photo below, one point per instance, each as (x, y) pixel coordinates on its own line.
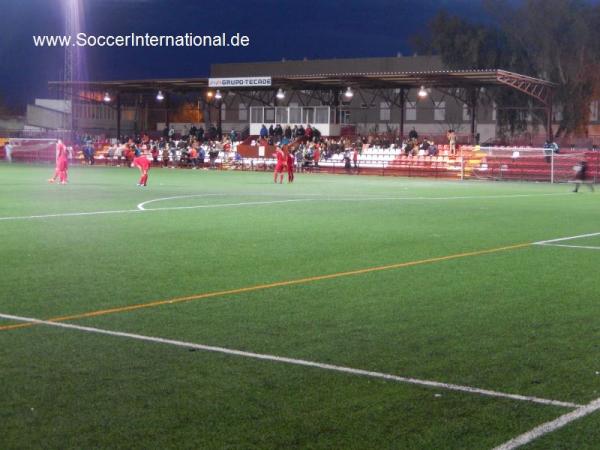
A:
(281, 165)
(142, 162)
(61, 151)
(280, 156)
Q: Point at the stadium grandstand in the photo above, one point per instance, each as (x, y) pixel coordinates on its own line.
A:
(407, 116)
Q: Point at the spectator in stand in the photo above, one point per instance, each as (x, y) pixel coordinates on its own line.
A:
(193, 131)
(193, 156)
(295, 131)
(264, 132)
(278, 132)
(424, 148)
(201, 155)
(316, 134)
(433, 151)
(288, 133)
(154, 154)
(309, 132)
(316, 155)
(233, 136)
(171, 132)
(452, 141)
(213, 154)
(301, 132)
(200, 134)
(299, 159)
(166, 132)
(271, 131)
(165, 156)
(412, 134)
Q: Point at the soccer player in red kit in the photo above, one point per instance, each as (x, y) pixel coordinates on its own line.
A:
(143, 164)
(62, 163)
(290, 167)
(281, 165)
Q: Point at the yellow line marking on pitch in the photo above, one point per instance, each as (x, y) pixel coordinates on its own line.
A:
(259, 287)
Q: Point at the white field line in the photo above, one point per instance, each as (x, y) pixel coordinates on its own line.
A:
(225, 205)
(73, 214)
(168, 208)
(551, 426)
(568, 238)
(140, 207)
(298, 362)
(589, 247)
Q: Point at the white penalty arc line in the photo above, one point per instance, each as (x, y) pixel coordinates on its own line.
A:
(298, 362)
(140, 206)
(551, 426)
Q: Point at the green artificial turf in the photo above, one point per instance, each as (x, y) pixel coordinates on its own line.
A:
(521, 320)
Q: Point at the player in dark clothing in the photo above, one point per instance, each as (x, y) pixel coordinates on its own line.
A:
(581, 177)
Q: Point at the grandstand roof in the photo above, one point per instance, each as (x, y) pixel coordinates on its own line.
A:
(535, 87)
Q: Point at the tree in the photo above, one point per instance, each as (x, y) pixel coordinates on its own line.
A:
(557, 40)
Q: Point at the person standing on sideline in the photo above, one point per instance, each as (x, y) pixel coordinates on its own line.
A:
(62, 163)
(8, 151)
(290, 167)
(581, 177)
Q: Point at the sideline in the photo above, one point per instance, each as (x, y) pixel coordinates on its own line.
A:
(298, 362)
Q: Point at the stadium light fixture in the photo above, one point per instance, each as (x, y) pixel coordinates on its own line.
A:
(106, 97)
(209, 94)
(218, 95)
(160, 97)
(349, 93)
(422, 92)
(280, 94)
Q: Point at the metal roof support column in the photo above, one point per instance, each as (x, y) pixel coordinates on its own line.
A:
(473, 108)
(167, 107)
(119, 117)
(549, 131)
(402, 108)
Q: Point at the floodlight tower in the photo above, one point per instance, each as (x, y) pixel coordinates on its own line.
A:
(70, 56)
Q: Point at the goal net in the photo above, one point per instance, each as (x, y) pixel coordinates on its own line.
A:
(531, 164)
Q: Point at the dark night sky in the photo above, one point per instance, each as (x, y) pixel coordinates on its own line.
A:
(277, 29)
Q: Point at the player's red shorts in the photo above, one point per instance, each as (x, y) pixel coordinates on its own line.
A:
(61, 164)
(280, 168)
(142, 162)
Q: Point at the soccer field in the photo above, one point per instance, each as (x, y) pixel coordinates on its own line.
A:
(219, 310)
